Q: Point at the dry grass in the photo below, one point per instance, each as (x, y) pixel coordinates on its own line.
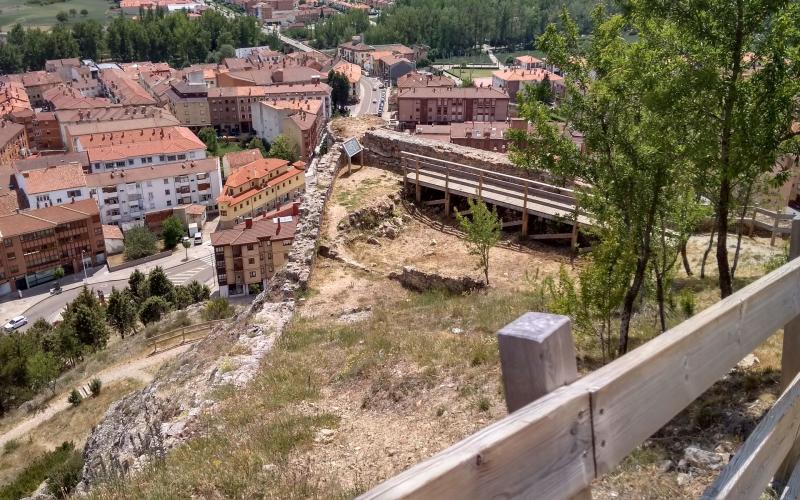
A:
(73, 424)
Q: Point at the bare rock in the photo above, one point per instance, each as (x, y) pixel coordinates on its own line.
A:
(684, 479)
(422, 281)
(748, 361)
(703, 459)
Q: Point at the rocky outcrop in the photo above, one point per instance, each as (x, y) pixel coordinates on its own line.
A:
(152, 421)
(423, 281)
(378, 220)
(382, 148)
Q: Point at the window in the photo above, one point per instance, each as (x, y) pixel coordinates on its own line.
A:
(166, 192)
(8, 243)
(166, 181)
(149, 183)
(98, 230)
(251, 260)
(120, 163)
(250, 249)
(74, 193)
(169, 203)
(252, 274)
(171, 158)
(181, 157)
(130, 161)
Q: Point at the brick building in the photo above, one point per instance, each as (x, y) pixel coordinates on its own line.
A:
(443, 105)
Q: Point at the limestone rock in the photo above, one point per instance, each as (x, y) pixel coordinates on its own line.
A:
(422, 281)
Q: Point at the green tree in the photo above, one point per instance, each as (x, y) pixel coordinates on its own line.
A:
(138, 287)
(744, 71)
(58, 273)
(74, 398)
(94, 386)
(140, 242)
(256, 143)
(186, 244)
(172, 230)
(153, 309)
(217, 309)
(226, 51)
(62, 17)
(183, 298)
(283, 148)
(10, 59)
(209, 137)
(73, 12)
(42, 369)
(84, 12)
(160, 285)
(198, 292)
(121, 311)
(482, 232)
(340, 89)
(544, 90)
(635, 146)
(86, 318)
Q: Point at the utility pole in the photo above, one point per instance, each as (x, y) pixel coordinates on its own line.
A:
(83, 260)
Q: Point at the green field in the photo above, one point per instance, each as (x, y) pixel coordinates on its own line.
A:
(473, 73)
(502, 56)
(474, 59)
(31, 14)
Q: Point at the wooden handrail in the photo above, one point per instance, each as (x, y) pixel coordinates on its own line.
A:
(527, 453)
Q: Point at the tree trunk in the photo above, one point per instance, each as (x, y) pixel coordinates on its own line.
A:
(705, 254)
(725, 283)
(630, 298)
(662, 316)
(740, 229)
(686, 266)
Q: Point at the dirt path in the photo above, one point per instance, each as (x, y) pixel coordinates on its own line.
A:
(134, 369)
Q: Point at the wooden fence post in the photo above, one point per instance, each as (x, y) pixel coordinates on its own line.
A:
(525, 212)
(775, 227)
(537, 356)
(790, 360)
(418, 188)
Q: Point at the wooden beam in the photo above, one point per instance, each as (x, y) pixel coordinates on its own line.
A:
(430, 203)
(555, 236)
(512, 223)
(752, 467)
(792, 489)
(537, 356)
(419, 187)
(543, 450)
(682, 363)
(447, 203)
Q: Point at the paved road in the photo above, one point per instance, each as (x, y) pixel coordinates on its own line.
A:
(294, 43)
(369, 95)
(50, 308)
(488, 49)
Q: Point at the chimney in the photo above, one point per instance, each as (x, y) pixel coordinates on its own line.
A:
(248, 222)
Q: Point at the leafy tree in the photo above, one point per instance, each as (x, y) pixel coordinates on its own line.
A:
(139, 242)
(73, 12)
(10, 59)
(153, 309)
(217, 309)
(94, 386)
(138, 287)
(198, 292)
(86, 318)
(209, 137)
(183, 298)
(744, 71)
(340, 89)
(64, 477)
(186, 244)
(283, 148)
(256, 143)
(121, 311)
(467, 81)
(84, 12)
(635, 162)
(58, 273)
(544, 90)
(62, 17)
(160, 285)
(74, 398)
(483, 232)
(42, 369)
(226, 51)
(172, 230)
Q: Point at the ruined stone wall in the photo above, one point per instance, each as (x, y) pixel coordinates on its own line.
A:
(382, 148)
(152, 421)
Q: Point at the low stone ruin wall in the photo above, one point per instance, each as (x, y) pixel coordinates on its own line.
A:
(150, 422)
(382, 148)
(423, 281)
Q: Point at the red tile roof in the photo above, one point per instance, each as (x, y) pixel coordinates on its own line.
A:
(112, 232)
(262, 229)
(46, 218)
(140, 174)
(128, 144)
(54, 178)
(241, 158)
(254, 170)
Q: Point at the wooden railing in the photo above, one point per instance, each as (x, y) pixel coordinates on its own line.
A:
(570, 432)
(775, 222)
(184, 333)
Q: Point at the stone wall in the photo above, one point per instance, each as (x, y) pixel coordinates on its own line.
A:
(382, 148)
(152, 421)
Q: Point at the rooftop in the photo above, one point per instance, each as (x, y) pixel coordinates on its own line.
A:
(127, 144)
(258, 91)
(416, 79)
(112, 232)
(262, 229)
(452, 92)
(254, 170)
(350, 70)
(140, 174)
(124, 88)
(240, 158)
(54, 178)
(46, 218)
(37, 162)
(9, 131)
(528, 75)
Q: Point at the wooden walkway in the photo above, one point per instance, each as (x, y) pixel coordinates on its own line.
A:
(529, 197)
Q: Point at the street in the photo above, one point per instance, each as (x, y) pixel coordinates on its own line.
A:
(369, 94)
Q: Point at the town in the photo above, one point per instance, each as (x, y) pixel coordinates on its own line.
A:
(399, 249)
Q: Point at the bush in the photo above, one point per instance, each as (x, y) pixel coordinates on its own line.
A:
(139, 242)
(74, 398)
(172, 230)
(183, 298)
(687, 303)
(152, 310)
(39, 470)
(255, 288)
(198, 292)
(95, 385)
(217, 309)
(10, 446)
(64, 477)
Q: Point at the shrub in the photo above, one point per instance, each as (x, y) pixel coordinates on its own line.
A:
(217, 309)
(183, 297)
(95, 385)
(139, 242)
(39, 470)
(74, 398)
(687, 303)
(152, 310)
(198, 291)
(63, 478)
(172, 230)
(255, 288)
(10, 446)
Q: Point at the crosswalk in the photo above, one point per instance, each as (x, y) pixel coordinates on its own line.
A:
(186, 276)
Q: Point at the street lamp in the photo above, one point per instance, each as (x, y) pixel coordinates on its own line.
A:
(83, 260)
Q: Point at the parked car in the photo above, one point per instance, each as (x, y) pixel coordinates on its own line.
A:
(198, 238)
(16, 322)
(55, 290)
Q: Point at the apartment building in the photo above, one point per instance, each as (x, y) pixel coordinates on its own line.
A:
(36, 242)
(36, 83)
(258, 187)
(188, 101)
(13, 141)
(127, 195)
(145, 147)
(355, 51)
(353, 74)
(13, 99)
(53, 185)
(249, 253)
(122, 89)
(233, 161)
(230, 107)
(69, 97)
(417, 79)
(300, 120)
(443, 105)
(74, 123)
(514, 80)
(43, 132)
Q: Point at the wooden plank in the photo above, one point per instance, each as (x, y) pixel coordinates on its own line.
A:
(792, 489)
(555, 236)
(751, 469)
(543, 450)
(512, 223)
(790, 361)
(537, 356)
(430, 203)
(638, 393)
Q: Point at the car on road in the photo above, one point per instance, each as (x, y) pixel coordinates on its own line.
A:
(374, 101)
(55, 290)
(198, 238)
(15, 322)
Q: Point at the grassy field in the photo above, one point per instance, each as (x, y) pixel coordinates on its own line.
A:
(474, 59)
(502, 56)
(473, 73)
(31, 14)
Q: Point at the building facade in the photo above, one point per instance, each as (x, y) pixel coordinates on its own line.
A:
(443, 105)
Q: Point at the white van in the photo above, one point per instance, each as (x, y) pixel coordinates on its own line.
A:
(198, 238)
